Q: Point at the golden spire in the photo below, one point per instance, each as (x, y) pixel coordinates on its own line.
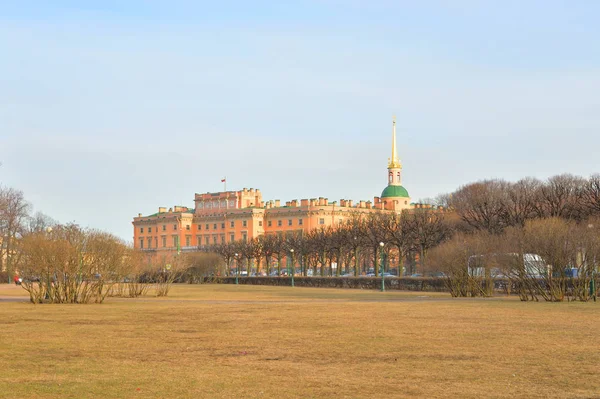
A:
(394, 162)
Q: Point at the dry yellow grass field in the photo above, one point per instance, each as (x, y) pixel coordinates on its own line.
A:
(220, 341)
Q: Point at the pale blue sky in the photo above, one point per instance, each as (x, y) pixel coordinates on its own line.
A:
(110, 108)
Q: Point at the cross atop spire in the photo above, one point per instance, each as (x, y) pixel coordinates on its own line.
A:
(394, 162)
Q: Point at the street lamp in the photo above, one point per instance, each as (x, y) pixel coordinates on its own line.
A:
(355, 257)
(293, 266)
(381, 244)
(593, 281)
(237, 269)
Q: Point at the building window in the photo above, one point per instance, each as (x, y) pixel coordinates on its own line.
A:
(269, 223)
(198, 240)
(149, 242)
(222, 238)
(174, 227)
(141, 243)
(187, 240)
(207, 227)
(279, 223)
(232, 224)
(175, 241)
(149, 229)
(141, 229)
(231, 237)
(260, 223)
(244, 223)
(155, 242)
(187, 227)
(164, 241)
(299, 222)
(164, 227)
(199, 227)
(206, 240)
(214, 226)
(223, 225)
(244, 237)
(289, 222)
(321, 221)
(214, 239)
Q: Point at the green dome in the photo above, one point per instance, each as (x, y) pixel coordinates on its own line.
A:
(394, 191)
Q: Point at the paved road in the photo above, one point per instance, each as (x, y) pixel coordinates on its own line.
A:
(14, 299)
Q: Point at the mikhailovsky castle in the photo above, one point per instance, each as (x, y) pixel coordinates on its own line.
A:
(228, 216)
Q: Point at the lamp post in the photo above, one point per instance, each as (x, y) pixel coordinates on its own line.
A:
(293, 266)
(47, 296)
(593, 281)
(381, 244)
(356, 274)
(237, 269)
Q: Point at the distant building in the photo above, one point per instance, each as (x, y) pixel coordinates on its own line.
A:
(228, 216)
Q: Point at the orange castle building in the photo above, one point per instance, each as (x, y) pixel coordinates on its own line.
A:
(229, 216)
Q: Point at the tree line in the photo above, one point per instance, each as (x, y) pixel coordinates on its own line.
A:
(356, 246)
(542, 237)
(64, 263)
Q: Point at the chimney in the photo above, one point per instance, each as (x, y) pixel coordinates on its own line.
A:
(277, 203)
(350, 203)
(139, 215)
(303, 202)
(162, 209)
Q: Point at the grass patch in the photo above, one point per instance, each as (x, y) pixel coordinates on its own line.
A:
(221, 341)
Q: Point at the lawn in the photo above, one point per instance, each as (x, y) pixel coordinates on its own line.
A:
(225, 341)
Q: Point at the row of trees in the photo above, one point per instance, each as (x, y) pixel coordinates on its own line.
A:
(68, 264)
(352, 247)
(542, 236)
(494, 205)
(534, 234)
(551, 259)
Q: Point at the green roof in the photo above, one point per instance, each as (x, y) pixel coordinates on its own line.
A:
(394, 191)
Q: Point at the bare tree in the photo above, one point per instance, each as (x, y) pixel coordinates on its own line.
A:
(426, 228)
(14, 212)
(560, 196)
(481, 205)
(374, 233)
(399, 235)
(590, 197)
(521, 201)
(71, 265)
(201, 265)
(267, 247)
